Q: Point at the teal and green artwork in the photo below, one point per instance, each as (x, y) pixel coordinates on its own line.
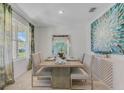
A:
(107, 32)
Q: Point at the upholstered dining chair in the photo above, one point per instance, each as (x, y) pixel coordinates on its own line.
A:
(82, 59)
(37, 70)
(84, 73)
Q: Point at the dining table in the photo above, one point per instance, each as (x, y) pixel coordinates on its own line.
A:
(61, 73)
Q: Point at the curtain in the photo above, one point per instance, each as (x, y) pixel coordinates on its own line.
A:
(8, 44)
(32, 38)
(2, 64)
(32, 49)
(6, 63)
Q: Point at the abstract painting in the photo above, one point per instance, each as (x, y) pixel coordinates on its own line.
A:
(107, 32)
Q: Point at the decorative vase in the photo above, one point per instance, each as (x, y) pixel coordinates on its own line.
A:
(61, 55)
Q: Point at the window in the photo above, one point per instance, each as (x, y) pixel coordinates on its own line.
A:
(61, 43)
(21, 44)
(20, 39)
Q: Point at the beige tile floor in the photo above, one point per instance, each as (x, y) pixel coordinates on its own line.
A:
(24, 83)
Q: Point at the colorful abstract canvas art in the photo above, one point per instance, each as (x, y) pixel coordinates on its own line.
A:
(107, 32)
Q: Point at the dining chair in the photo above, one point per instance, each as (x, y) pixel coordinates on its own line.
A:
(82, 59)
(37, 70)
(84, 73)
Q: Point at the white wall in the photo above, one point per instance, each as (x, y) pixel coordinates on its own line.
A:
(118, 66)
(118, 69)
(43, 39)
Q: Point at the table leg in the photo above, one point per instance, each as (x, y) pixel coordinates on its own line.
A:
(61, 77)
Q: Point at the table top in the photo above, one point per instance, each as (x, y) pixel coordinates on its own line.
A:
(73, 63)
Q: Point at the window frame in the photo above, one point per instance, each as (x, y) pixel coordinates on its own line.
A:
(15, 29)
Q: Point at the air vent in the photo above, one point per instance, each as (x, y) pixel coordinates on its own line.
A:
(92, 9)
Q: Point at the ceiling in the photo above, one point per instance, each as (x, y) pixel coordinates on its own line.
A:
(46, 14)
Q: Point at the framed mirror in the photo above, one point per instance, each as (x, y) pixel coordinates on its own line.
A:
(60, 44)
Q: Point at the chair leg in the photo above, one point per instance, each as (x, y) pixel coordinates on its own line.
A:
(32, 81)
(71, 84)
(91, 84)
(84, 82)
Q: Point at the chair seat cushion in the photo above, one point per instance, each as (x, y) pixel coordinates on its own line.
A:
(79, 73)
(43, 72)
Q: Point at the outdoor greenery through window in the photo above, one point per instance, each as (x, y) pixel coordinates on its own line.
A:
(21, 44)
(20, 39)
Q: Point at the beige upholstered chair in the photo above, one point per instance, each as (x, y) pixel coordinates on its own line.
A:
(37, 70)
(82, 59)
(84, 73)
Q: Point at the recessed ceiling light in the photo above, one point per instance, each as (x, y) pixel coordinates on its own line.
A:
(61, 12)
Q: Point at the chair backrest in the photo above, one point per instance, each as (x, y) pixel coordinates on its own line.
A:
(99, 69)
(103, 70)
(82, 60)
(36, 60)
(88, 62)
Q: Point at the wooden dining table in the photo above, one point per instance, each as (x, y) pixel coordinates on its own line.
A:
(61, 73)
